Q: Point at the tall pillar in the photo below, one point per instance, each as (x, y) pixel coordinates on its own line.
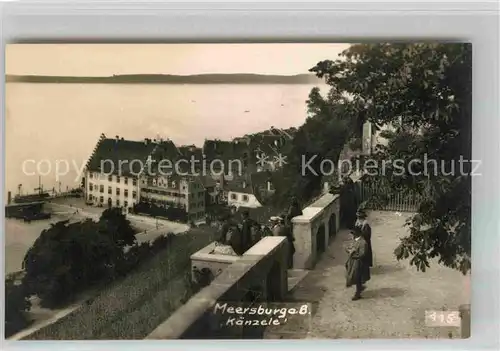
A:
(305, 244)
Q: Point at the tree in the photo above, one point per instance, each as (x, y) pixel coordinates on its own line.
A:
(16, 306)
(424, 92)
(66, 259)
(316, 148)
(116, 224)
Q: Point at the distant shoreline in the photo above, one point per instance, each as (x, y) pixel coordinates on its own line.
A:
(170, 79)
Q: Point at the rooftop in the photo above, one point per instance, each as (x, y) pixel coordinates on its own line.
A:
(112, 154)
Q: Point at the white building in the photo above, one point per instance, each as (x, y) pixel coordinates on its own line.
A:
(112, 190)
(249, 191)
(113, 170)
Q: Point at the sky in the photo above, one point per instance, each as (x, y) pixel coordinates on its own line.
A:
(180, 59)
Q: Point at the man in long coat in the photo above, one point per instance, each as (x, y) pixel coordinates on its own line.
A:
(356, 272)
(366, 231)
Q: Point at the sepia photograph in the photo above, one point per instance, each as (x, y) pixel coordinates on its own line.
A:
(238, 191)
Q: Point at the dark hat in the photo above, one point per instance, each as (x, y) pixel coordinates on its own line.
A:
(361, 213)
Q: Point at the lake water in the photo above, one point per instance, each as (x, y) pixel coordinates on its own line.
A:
(50, 122)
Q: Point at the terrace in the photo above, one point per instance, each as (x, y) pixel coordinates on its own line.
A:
(393, 306)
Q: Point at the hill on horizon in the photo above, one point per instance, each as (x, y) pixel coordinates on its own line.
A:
(233, 78)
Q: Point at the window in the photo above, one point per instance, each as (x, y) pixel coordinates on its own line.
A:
(134, 194)
(90, 186)
(125, 192)
(117, 203)
(110, 178)
(90, 197)
(117, 191)
(125, 204)
(101, 199)
(117, 179)
(110, 190)
(101, 188)
(245, 198)
(233, 196)
(125, 180)
(134, 182)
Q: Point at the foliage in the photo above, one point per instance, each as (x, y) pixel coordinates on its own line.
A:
(216, 211)
(316, 148)
(16, 305)
(423, 91)
(118, 226)
(68, 258)
(171, 213)
(131, 307)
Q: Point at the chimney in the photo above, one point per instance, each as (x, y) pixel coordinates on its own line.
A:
(9, 197)
(145, 141)
(117, 138)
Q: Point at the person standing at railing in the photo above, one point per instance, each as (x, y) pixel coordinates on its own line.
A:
(294, 210)
(246, 231)
(277, 226)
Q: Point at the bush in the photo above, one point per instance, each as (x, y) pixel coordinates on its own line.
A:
(171, 213)
(132, 307)
(16, 306)
(70, 257)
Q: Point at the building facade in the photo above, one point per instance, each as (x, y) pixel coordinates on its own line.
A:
(112, 190)
(113, 170)
(182, 192)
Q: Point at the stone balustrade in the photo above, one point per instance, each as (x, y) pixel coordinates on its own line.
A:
(313, 230)
(262, 268)
(214, 263)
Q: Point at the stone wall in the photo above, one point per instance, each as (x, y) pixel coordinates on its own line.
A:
(313, 230)
(263, 267)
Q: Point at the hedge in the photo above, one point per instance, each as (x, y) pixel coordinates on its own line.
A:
(170, 213)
